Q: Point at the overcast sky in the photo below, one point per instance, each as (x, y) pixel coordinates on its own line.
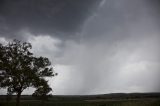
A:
(96, 46)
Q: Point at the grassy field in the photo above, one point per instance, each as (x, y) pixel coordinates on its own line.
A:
(144, 102)
(102, 100)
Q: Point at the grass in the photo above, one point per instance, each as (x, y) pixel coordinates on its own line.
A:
(138, 102)
(115, 99)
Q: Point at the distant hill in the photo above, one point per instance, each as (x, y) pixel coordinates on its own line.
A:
(108, 96)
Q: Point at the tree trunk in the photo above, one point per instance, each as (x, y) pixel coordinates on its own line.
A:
(18, 98)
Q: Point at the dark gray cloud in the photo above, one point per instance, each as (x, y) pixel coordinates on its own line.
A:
(115, 20)
(63, 18)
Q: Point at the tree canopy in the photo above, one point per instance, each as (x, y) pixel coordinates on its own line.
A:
(20, 69)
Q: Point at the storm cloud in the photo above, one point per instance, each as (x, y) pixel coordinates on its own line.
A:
(96, 46)
(60, 17)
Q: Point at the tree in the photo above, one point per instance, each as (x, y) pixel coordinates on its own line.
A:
(20, 69)
(42, 93)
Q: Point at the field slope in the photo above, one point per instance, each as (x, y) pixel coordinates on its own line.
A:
(114, 99)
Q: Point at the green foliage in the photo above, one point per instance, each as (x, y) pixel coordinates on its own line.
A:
(41, 91)
(20, 69)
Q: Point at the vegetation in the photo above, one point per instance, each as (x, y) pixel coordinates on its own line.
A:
(20, 69)
(150, 99)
